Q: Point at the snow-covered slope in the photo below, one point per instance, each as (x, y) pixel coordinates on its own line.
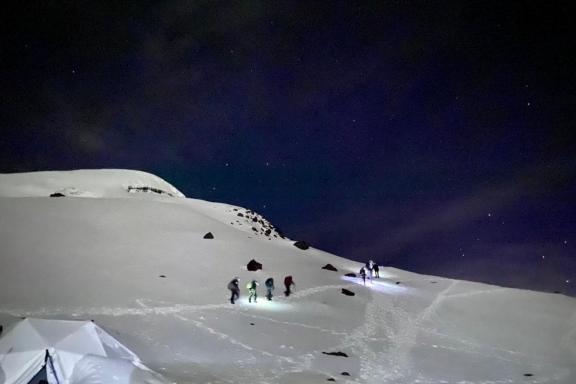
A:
(84, 183)
(141, 268)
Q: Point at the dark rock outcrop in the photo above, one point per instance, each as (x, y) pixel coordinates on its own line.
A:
(57, 194)
(209, 235)
(301, 245)
(341, 354)
(132, 189)
(330, 267)
(345, 374)
(350, 275)
(257, 222)
(347, 292)
(253, 265)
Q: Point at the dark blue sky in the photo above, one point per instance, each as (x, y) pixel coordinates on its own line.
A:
(432, 136)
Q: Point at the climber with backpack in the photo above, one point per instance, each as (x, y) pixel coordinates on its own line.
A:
(288, 282)
(370, 267)
(269, 287)
(234, 289)
(362, 274)
(251, 286)
(376, 271)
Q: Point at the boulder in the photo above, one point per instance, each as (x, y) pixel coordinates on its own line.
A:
(253, 265)
(209, 235)
(347, 292)
(330, 267)
(350, 275)
(301, 245)
(341, 354)
(57, 194)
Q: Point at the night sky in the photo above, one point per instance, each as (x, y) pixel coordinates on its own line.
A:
(431, 136)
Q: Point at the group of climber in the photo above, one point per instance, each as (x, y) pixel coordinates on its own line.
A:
(252, 286)
(373, 271)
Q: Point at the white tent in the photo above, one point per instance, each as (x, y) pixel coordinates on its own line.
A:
(71, 352)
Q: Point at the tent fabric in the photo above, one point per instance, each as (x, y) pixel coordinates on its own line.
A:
(98, 370)
(23, 350)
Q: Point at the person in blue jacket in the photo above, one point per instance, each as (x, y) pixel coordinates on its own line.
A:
(269, 287)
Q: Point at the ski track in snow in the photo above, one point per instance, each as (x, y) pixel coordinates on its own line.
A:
(144, 309)
(474, 293)
(333, 332)
(230, 339)
(376, 364)
(383, 352)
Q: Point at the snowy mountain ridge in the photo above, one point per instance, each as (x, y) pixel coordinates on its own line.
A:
(140, 265)
(84, 183)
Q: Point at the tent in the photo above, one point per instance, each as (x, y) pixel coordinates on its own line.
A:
(67, 352)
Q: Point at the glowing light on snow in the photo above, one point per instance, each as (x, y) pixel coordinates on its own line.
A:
(377, 284)
(382, 272)
(265, 305)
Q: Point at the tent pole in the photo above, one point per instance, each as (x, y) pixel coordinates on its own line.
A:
(48, 359)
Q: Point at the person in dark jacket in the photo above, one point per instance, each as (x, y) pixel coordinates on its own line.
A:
(252, 290)
(269, 287)
(288, 283)
(234, 289)
(362, 274)
(376, 271)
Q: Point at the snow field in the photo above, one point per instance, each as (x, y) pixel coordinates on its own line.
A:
(103, 258)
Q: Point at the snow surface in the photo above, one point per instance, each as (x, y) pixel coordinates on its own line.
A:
(102, 258)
